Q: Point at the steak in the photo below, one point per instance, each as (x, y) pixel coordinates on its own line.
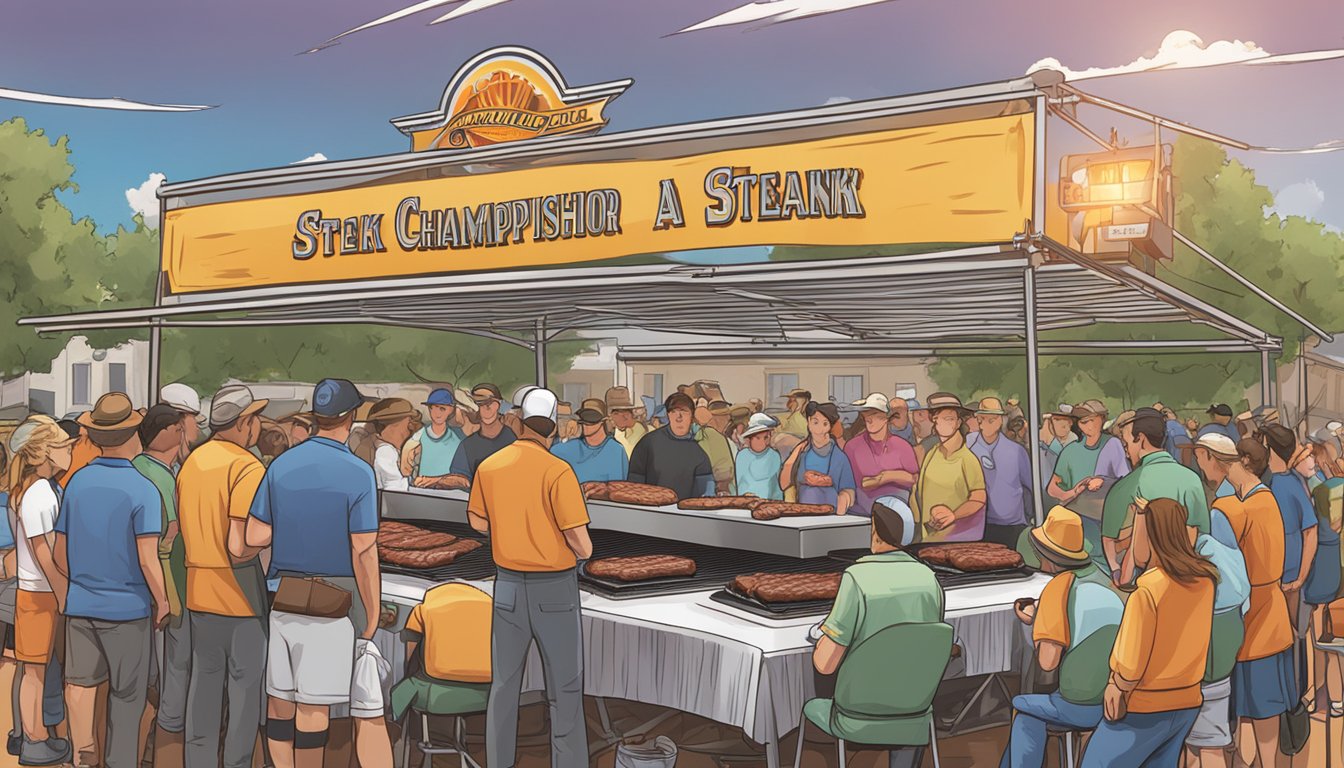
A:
(428, 558)
(641, 494)
(595, 490)
(641, 568)
(393, 534)
(817, 479)
(773, 510)
(787, 587)
(970, 556)
(720, 502)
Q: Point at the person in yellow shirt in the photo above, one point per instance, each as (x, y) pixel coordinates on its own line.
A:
(529, 502)
(1160, 654)
(626, 429)
(226, 589)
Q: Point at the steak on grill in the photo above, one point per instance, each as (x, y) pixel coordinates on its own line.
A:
(970, 556)
(595, 490)
(640, 568)
(640, 493)
(428, 558)
(787, 587)
(773, 510)
(720, 502)
(415, 538)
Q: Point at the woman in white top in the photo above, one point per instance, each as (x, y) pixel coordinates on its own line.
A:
(41, 455)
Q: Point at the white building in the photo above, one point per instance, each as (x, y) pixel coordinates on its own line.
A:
(78, 376)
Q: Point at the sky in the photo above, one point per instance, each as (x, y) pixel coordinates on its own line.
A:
(274, 105)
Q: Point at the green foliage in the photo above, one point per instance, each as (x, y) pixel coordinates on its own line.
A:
(1220, 206)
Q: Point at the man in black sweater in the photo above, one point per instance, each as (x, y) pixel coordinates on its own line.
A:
(670, 456)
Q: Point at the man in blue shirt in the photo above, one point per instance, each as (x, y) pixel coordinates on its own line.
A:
(1221, 424)
(107, 540)
(437, 442)
(482, 444)
(317, 508)
(595, 457)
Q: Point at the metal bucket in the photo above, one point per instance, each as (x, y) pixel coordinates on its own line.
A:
(659, 753)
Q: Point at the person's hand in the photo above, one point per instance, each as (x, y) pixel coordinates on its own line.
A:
(424, 482)
(1026, 611)
(1113, 703)
(941, 517)
(870, 483)
(1094, 483)
(1293, 586)
(161, 613)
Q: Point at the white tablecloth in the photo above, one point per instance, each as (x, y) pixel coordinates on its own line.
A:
(679, 652)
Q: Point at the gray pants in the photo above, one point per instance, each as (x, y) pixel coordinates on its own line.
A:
(115, 652)
(228, 654)
(543, 607)
(176, 673)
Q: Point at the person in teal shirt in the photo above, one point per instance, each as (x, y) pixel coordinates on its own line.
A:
(438, 441)
(757, 465)
(1156, 475)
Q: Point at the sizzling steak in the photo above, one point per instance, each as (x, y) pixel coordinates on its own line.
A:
(641, 568)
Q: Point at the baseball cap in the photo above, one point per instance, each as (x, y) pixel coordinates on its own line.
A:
(440, 396)
(874, 402)
(678, 400)
(484, 393)
(592, 411)
(181, 397)
(335, 397)
(539, 402)
(231, 403)
(1221, 409)
(1217, 443)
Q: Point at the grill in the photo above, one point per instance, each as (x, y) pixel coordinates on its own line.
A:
(473, 566)
(947, 576)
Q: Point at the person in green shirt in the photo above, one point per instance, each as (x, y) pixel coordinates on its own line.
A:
(715, 445)
(885, 588)
(163, 433)
(1156, 475)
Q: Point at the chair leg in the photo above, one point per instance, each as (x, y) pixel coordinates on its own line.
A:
(1068, 750)
(933, 743)
(406, 745)
(840, 747)
(802, 730)
(424, 742)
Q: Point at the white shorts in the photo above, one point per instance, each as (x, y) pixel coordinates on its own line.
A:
(310, 660)
(1213, 726)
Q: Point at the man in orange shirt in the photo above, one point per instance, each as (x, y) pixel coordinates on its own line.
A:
(530, 503)
(1161, 653)
(226, 589)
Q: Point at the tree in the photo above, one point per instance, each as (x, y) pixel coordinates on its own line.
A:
(1220, 206)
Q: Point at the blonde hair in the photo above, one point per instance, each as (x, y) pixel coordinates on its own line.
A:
(38, 436)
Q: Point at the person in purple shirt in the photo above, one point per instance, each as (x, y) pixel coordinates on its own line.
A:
(883, 464)
(1007, 475)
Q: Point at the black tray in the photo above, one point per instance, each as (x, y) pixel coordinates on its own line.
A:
(782, 611)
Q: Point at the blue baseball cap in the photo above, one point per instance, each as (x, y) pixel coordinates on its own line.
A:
(335, 397)
(440, 396)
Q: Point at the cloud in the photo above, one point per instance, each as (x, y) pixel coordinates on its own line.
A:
(97, 103)
(776, 11)
(470, 6)
(316, 157)
(144, 201)
(1183, 49)
(1303, 199)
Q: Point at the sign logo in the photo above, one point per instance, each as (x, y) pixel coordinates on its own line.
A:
(509, 94)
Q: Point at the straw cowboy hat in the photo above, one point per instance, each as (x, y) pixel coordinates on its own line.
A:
(940, 401)
(618, 399)
(112, 412)
(1060, 538)
(990, 406)
(392, 409)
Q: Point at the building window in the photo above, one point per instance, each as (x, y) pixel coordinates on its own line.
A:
(846, 389)
(653, 387)
(777, 385)
(116, 377)
(906, 391)
(575, 393)
(79, 383)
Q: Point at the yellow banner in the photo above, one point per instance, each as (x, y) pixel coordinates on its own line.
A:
(964, 182)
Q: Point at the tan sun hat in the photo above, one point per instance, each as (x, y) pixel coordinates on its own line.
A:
(112, 412)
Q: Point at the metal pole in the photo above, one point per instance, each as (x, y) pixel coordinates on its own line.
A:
(540, 350)
(155, 346)
(1265, 392)
(1033, 393)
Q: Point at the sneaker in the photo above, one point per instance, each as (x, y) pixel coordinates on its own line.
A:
(14, 744)
(49, 752)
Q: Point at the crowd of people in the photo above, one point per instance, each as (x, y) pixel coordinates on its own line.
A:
(228, 563)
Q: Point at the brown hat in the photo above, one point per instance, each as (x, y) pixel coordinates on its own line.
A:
(720, 408)
(484, 393)
(618, 399)
(391, 409)
(112, 412)
(1089, 408)
(592, 411)
(797, 392)
(939, 401)
(990, 406)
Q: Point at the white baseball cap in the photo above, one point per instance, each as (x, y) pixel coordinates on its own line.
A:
(874, 402)
(902, 509)
(538, 401)
(181, 397)
(759, 422)
(1217, 443)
